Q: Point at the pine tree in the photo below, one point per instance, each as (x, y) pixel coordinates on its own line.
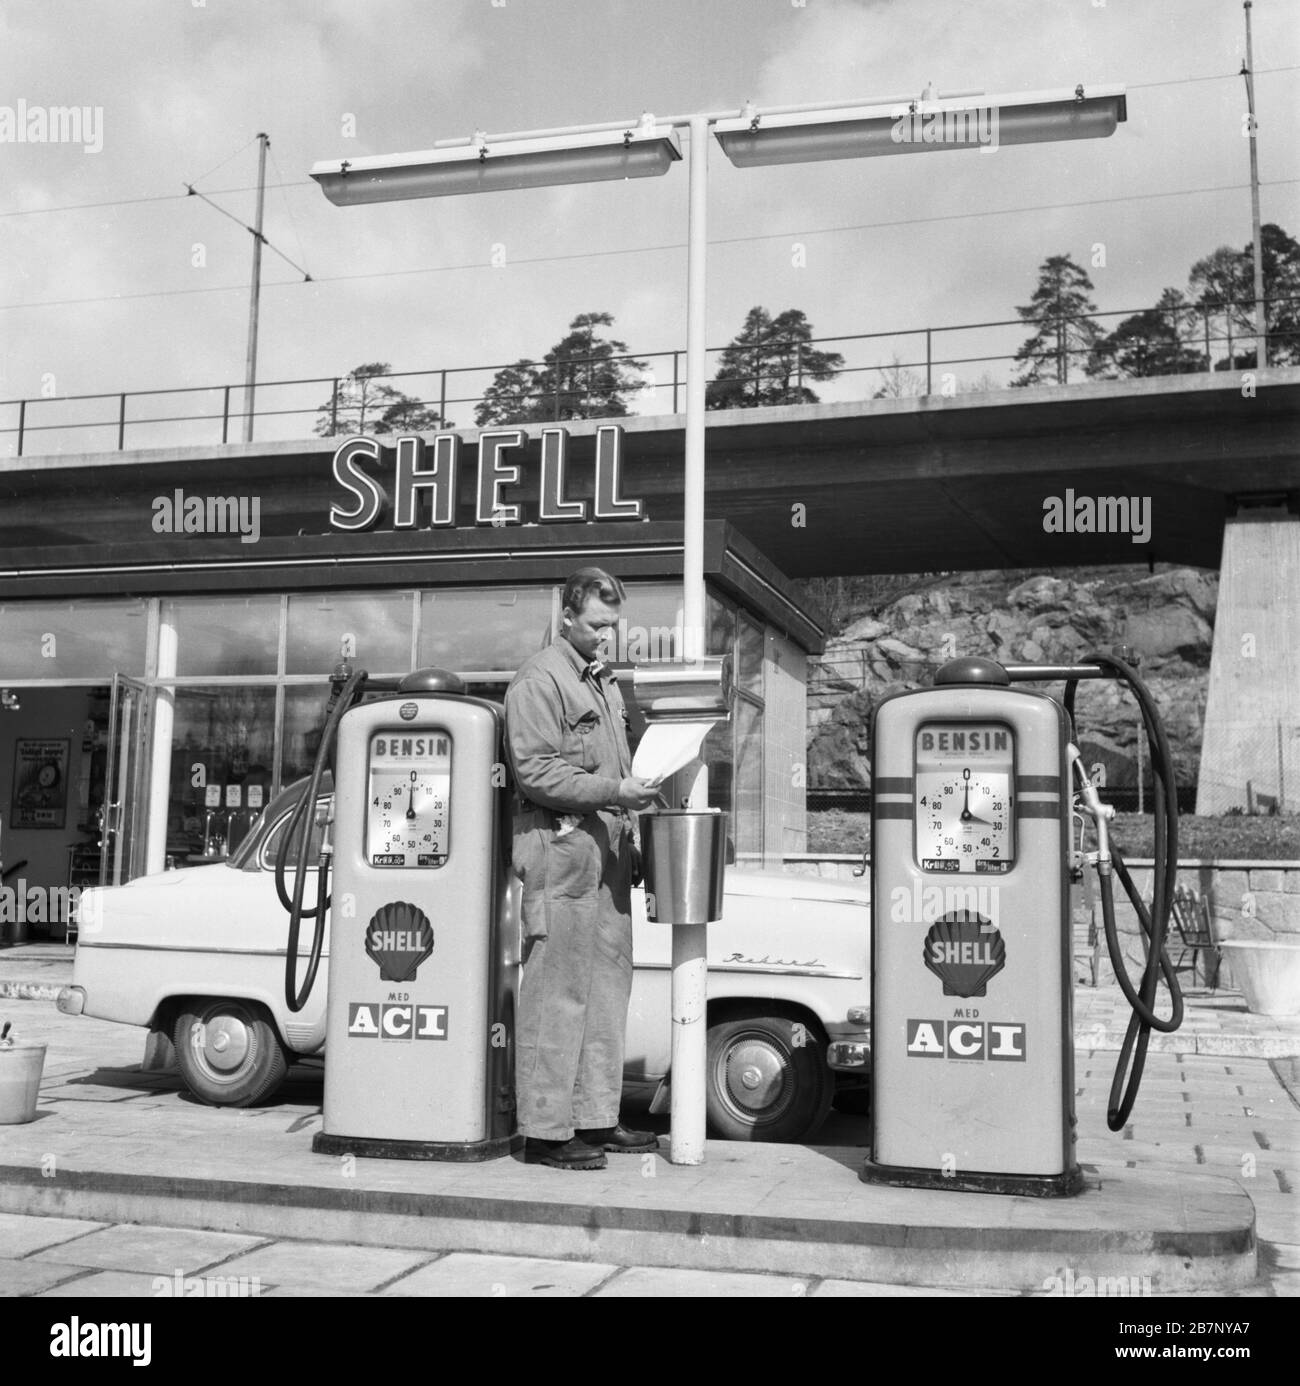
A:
(584, 376)
(362, 405)
(1159, 341)
(768, 362)
(1059, 308)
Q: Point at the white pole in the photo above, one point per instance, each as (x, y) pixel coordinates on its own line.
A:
(690, 964)
(160, 762)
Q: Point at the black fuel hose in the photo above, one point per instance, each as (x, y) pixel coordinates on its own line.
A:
(1154, 923)
(300, 824)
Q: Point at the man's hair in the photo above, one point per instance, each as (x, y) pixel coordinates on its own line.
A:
(589, 582)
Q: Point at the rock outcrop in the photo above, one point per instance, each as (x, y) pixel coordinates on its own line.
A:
(898, 640)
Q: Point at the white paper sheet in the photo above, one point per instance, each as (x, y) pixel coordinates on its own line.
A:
(667, 746)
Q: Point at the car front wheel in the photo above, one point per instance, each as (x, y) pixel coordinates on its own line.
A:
(228, 1052)
(767, 1079)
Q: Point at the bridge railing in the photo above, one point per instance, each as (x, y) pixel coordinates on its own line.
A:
(949, 359)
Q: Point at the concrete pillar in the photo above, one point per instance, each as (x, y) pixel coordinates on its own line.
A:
(1250, 747)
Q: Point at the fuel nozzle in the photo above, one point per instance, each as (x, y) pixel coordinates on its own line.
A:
(1100, 813)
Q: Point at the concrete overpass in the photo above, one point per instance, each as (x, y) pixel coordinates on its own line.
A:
(880, 486)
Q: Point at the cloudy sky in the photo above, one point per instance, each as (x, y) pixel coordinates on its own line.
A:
(112, 278)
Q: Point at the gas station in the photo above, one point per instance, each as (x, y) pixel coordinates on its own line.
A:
(396, 589)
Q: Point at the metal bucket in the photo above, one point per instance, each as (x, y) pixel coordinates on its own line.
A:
(685, 853)
(21, 1066)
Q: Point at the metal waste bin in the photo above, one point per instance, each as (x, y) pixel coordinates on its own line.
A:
(685, 857)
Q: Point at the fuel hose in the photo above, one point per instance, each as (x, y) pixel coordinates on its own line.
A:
(1154, 922)
(298, 829)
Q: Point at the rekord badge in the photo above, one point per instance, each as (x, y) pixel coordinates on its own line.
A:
(399, 938)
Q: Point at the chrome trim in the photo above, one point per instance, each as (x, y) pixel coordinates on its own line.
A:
(770, 968)
(856, 900)
(179, 948)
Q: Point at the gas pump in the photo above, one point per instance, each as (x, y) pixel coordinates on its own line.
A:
(976, 789)
(420, 1012)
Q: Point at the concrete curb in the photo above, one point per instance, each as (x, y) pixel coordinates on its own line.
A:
(1126, 1226)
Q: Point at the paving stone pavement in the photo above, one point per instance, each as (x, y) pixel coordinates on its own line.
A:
(1229, 1113)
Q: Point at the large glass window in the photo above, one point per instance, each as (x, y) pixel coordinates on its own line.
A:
(73, 640)
(225, 635)
(223, 755)
(650, 626)
(749, 657)
(375, 627)
(485, 628)
(748, 773)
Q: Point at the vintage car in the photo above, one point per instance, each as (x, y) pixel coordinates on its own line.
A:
(197, 957)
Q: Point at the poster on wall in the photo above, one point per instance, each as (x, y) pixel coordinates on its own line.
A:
(40, 784)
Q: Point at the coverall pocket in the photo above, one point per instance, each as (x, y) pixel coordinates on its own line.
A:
(580, 739)
(573, 861)
(528, 861)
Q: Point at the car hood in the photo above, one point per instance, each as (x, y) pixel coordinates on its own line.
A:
(782, 885)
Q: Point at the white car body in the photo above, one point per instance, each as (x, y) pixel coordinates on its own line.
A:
(788, 949)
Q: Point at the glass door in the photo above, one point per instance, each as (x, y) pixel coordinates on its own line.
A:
(122, 826)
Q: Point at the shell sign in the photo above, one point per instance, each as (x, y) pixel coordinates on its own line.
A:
(965, 951)
(399, 938)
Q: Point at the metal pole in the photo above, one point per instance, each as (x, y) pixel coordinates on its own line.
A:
(250, 367)
(690, 969)
(1261, 326)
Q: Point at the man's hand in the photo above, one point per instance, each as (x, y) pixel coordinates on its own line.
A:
(637, 794)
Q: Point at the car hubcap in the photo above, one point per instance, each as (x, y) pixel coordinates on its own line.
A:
(757, 1077)
(225, 1043)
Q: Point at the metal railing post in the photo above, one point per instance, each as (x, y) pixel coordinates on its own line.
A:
(22, 423)
(676, 363)
(121, 421)
(442, 398)
(334, 408)
(928, 358)
(225, 415)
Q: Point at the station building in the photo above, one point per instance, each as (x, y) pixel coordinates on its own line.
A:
(169, 620)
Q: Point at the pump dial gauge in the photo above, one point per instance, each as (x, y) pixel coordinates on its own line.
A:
(408, 810)
(964, 814)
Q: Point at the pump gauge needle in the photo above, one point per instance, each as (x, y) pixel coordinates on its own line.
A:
(966, 815)
(410, 801)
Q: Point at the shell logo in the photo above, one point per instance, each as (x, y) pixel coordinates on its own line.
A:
(399, 938)
(965, 951)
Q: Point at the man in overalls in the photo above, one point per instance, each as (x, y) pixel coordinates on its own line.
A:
(574, 849)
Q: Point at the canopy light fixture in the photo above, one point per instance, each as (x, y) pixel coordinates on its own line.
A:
(919, 126)
(643, 150)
